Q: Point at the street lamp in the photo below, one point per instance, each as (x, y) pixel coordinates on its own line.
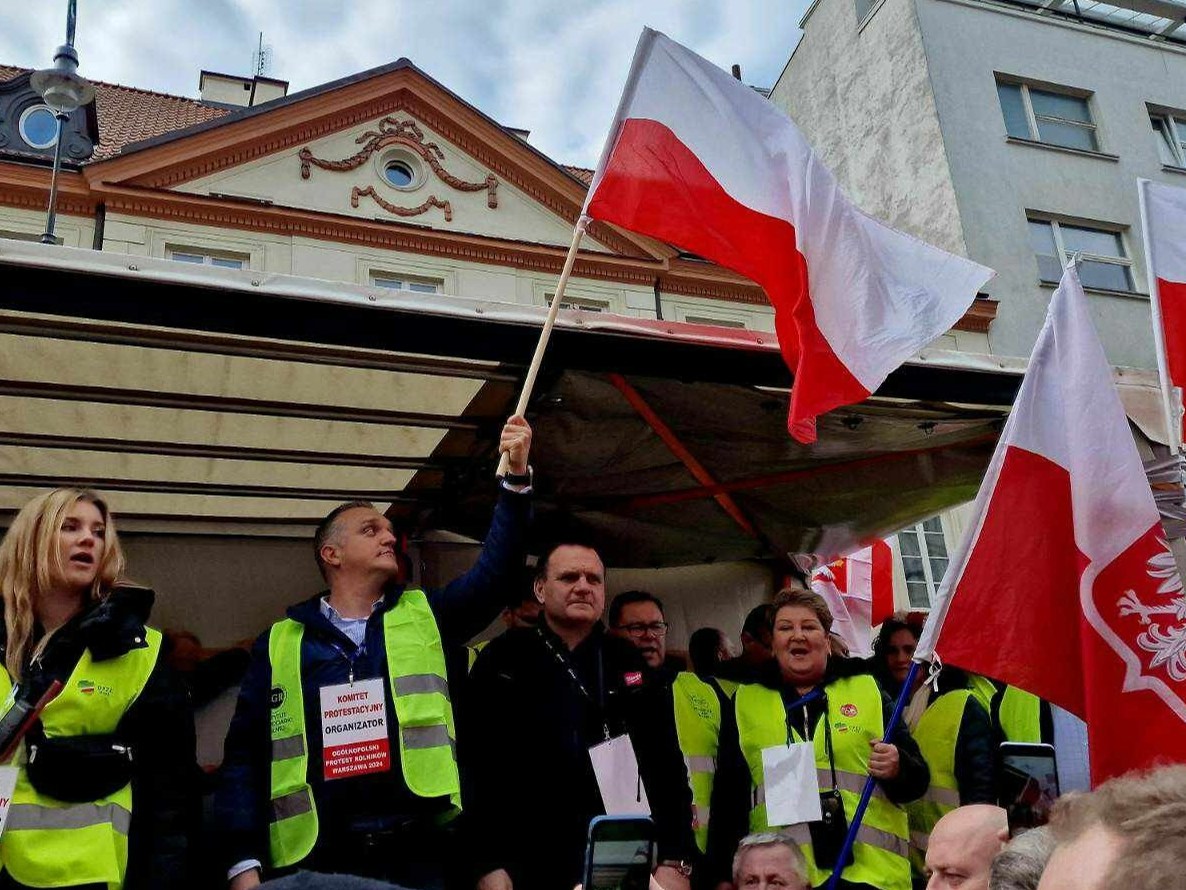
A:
(64, 91)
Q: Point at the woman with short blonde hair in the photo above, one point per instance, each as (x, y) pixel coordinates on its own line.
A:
(835, 709)
(105, 791)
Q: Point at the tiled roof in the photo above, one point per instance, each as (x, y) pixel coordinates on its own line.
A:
(128, 115)
(584, 174)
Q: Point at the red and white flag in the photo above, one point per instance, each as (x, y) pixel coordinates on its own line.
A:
(1164, 212)
(698, 159)
(1064, 585)
(859, 589)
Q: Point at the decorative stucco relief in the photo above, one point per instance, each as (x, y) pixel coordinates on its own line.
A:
(407, 134)
(433, 201)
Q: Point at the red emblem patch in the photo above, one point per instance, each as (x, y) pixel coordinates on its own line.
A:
(634, 678)
(849, 710)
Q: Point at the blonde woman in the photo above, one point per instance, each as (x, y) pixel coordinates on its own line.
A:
(104, 788)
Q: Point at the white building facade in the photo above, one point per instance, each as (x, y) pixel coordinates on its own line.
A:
(1010, 132)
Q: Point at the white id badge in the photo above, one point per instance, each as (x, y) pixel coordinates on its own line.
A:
(792, 789)
(354, 729)
(616, 769)
(7, 786)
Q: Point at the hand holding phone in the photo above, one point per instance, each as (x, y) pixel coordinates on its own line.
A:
(1027, 784)
(620, 854)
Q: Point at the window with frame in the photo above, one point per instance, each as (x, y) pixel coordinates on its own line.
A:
(585, 304)
(411, 283)
(923, 550)
(864, 7)
(1104, 265)
(719, 322)
(1043, 115)
(198, 257)
(1170, 130)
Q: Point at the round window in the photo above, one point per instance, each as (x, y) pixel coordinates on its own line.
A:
(399, 173)
(39, 127)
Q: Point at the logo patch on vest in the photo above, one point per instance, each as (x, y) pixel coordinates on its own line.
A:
(276, 699)
(849, 710)
(634, 678)
(90, 687)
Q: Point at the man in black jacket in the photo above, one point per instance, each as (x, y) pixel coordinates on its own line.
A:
(555, 691)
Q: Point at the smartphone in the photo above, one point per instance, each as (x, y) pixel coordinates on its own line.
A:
(620, 854)
(1027, 784)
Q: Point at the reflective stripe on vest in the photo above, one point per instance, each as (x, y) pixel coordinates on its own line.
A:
(854, 711)
(698, 727)
(51, 843)
(1020, 716)
(420, 697)
(937, 733)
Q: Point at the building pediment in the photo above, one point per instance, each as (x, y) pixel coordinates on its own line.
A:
(394, 169)
(324, 151)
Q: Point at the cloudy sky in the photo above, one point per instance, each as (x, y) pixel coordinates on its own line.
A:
(554, 67)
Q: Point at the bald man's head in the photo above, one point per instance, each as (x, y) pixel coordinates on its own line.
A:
(962, 846)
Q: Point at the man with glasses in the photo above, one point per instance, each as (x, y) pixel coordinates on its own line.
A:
(637, 616)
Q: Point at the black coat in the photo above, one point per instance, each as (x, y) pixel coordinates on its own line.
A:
(531, 789)
(158, 727)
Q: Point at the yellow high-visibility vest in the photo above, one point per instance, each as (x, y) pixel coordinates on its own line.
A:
(854, 712)
(1019, 715)
(698, 727)
(52, 843)
(420, 694)
(937, 733)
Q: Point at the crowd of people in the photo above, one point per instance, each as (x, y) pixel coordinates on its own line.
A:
(372, 739)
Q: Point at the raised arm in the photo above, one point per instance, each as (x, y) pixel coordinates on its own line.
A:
(469, 603)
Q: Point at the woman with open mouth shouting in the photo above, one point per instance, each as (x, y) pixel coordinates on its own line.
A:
(798, 749)
(96, 734)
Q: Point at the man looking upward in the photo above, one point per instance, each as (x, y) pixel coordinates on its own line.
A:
(341, 755)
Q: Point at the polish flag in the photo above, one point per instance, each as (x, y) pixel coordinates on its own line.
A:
(698, 159)
(859, 589)
(1065, 586)
(1164, 212)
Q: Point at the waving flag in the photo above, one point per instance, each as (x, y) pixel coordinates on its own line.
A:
(1065, 586)
(1164, 211)
(859, 589)
(698, 159)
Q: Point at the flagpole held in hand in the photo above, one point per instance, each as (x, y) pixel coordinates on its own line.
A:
(867, 791)
(546, 333)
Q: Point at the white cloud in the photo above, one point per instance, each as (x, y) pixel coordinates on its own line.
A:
(553, 67)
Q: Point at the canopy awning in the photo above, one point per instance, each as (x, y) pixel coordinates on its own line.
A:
(234, 398)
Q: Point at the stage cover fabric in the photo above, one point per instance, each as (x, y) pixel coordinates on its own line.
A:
(665, 440)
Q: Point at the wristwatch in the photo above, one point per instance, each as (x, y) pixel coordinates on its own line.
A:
(519, 478)
(683, 866)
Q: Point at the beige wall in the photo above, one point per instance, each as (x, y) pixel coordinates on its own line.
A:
(74, 231)
(334, 261)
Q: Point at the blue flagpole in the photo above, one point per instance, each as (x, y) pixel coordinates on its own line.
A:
(867, 791)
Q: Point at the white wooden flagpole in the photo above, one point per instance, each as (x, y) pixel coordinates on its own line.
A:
(546, 333)
(1171, 397)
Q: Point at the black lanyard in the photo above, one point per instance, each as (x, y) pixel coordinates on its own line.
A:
(804, 701)
(566, 663)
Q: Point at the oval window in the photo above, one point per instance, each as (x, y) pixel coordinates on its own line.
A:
(39, 127)
(399, 173)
